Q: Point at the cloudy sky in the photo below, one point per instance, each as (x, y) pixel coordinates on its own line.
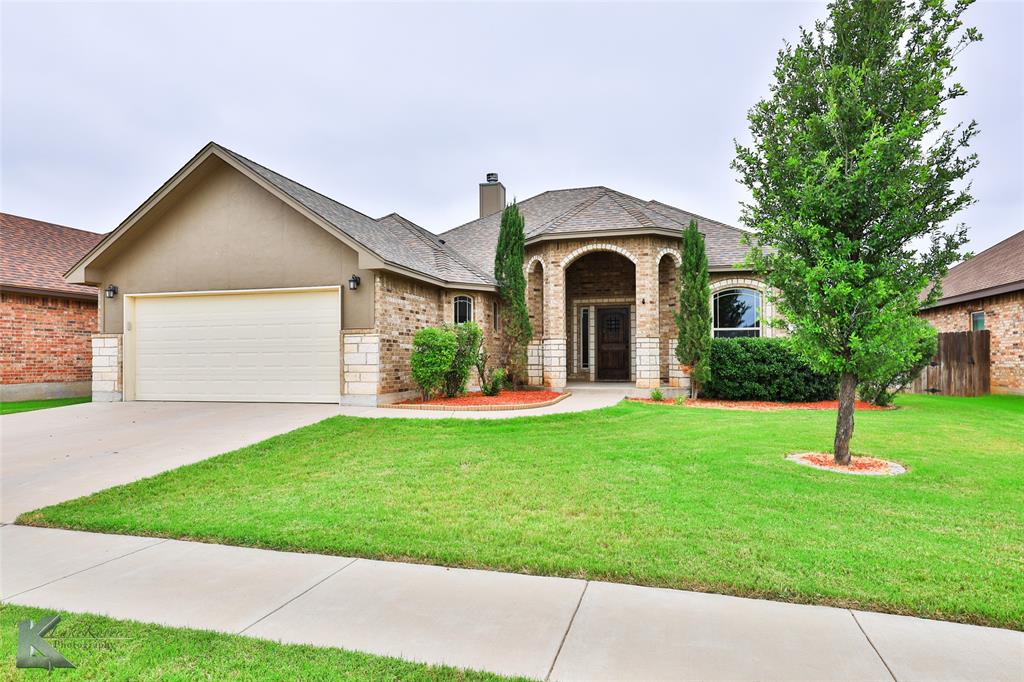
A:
(395, 107)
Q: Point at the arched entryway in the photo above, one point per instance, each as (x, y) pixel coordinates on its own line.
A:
(600, 315)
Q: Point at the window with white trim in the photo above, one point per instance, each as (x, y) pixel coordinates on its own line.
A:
(463, 309)
(978, 321)
(737, 312)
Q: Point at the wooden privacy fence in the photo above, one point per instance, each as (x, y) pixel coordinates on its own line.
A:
(959, 367)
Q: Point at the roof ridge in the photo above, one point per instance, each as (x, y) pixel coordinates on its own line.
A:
(47, 222)
(519, 202)
(437, 243)
(700, 217)
(622, 200)
(986, 251)
(574, 210)
(305, 187)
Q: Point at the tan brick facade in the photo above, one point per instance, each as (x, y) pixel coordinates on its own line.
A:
(588, 273)
(404, 306)
(1004, 318)
(44, 341)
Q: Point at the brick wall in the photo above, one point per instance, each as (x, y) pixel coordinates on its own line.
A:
(403, 306)
(1004, 318)
(45, 339)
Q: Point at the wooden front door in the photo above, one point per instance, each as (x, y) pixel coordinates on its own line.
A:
(613, 344)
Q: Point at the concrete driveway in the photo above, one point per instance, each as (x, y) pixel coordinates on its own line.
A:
(49, 456)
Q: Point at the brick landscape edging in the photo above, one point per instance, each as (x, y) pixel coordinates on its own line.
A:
(481, 408)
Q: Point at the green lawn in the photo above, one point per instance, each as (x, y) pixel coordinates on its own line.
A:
(29, 405)
(650, 494)
(107, 649)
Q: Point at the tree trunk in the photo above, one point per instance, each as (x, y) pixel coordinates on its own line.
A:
(844, 419)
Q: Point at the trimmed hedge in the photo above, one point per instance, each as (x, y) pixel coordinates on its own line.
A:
(764, 369)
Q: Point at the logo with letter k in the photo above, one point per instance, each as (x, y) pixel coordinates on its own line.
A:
(33, 650)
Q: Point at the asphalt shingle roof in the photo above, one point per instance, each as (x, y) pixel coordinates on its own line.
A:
(594, 209)
(35, 254)
(465, 254)
(393, 238)
(996, 266)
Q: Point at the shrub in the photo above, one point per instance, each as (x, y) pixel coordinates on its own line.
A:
(491, 381)
(764, 369)
(468, 338)
(433, 350)
(657, 395)
(680, 400)
(494, 382)
(882, 390)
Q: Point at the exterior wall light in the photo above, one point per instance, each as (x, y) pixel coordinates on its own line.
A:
(353, 282)
(111, 291)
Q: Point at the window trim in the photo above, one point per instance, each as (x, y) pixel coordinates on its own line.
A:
(984, 320)
(758, 326)
(455, 308)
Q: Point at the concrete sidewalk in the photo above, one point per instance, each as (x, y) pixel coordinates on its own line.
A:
(534, 626)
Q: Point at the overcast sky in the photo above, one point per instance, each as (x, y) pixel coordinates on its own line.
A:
(391, 107)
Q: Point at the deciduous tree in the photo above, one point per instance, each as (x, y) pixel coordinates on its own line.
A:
(854, 174)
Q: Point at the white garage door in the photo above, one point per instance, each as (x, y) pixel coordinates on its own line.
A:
(246, 347)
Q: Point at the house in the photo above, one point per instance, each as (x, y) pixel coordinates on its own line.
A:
(45, 322)
(233, 282)
(987, 292)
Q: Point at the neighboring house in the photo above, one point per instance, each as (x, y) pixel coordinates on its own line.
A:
(987, 292)
(45, 322)
(233, 282)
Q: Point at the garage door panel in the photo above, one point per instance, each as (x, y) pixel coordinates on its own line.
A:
(274, 347)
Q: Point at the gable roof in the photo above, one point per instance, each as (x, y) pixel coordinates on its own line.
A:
(998, 269)
(34, 255)
(588, 211)
(463, 256)
(390, 241)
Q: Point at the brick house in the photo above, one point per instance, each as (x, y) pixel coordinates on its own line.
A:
(45, 322)
(234, 282)
(987, 292)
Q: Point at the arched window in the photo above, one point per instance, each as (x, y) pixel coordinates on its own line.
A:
(737, 313)
(463, 309)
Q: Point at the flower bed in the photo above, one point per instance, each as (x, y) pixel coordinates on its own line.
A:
(506, 400)
(859, 464)
(761, 405)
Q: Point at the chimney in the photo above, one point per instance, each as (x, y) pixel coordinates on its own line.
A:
(492, 195)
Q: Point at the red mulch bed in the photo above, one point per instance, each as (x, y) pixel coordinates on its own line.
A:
(859, 464)
(762, 405)
(503, 398)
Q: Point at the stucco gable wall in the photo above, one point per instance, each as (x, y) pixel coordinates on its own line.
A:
(222, 231)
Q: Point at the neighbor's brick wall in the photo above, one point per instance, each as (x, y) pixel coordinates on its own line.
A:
(45, 339)
(1004, 318)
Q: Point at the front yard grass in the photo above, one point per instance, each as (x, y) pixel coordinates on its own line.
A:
(660, 495)
(29, 405)
(103, 648)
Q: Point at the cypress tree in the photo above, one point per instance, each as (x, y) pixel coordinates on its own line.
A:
(508, 270)
(693, 317)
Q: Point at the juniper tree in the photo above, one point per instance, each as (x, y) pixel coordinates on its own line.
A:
(508, 271)
(693, 314)
(852, 169)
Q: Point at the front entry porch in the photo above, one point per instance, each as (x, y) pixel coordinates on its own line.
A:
(604, 314)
